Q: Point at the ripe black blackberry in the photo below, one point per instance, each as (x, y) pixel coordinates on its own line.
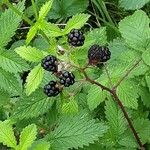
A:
(50, 63)
(51, 89)
(76, 38)
(66, 78)
(98, 54)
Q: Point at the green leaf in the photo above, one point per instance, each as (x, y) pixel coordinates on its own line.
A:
(142, 127)
(11, 62)
(7, 135)
(65, 8)
(76, 131)
(39, 145)
(95, 97)
(9, 22)
(145, 95)
(132, 5)
(32, 106)
(76, 22)
(30, 53)
(135, 30)
(96, 36)
(128, 93)
(45, 9)
(4, 98)
(115, 119)
(34, 79)
(32, 32)
(27, 137)
(9, 82)
(146, 56)
(147, 77)
(70, 107)
(50, 29)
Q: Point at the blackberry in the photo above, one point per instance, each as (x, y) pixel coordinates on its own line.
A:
(49, 63)
(51, 89)
(67, 78)
(98, 54)
(76, 38)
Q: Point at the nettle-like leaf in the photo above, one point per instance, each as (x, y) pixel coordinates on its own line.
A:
(34, 79)
(145, 95)
(146, 56)
(65, 8)
(95, 96)
(9, 82)
(27, 137)
(125, 57)
(147, 77)
(76, 131)
(9, 21)
(132, 5)
(4, 98)
(39, 145)
(128, 93)
(30, 53)
(32, 106)
(45, 9)
(115, 119)
(142, 127)
(7, 135)
(135, 30)
(70, 107)
(96, 36)
(50, 29)
(76, 22)
(11, 62)
(32, 32)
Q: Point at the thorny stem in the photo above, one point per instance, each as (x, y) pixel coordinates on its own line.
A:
(116, 98)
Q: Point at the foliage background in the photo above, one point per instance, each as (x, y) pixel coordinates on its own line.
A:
(83, 117)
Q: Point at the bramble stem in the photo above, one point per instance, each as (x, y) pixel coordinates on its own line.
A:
(117, 100)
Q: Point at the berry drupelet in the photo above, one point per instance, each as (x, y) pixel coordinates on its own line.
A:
(67, 78)
(50, 63)
(51, 89)
(98, 54)
(76, 38)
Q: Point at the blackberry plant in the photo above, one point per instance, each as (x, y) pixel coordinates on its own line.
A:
(101, 108)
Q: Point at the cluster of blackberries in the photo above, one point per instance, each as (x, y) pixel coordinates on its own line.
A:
(53, 88)
(96, 55)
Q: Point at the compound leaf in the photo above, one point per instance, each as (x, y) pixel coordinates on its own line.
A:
(80, 131)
